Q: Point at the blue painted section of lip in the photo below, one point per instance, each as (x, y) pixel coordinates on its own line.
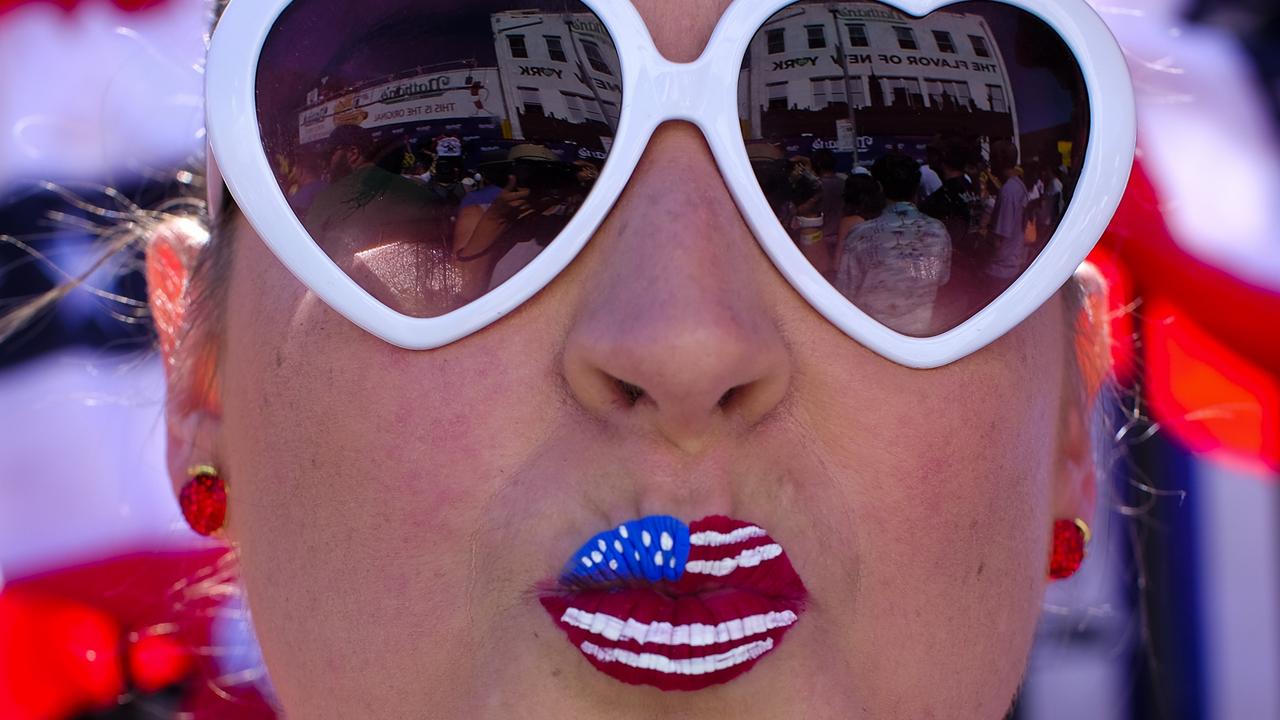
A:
(650, 549)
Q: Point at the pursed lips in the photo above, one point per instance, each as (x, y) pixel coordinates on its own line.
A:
(656, 602)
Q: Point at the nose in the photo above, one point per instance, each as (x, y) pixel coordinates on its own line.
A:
(673, 335)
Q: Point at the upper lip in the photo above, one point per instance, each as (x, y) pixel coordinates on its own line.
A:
(750, 561)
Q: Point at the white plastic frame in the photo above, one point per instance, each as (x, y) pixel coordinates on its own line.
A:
(703, 92)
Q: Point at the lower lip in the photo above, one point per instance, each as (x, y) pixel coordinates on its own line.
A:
(642, 636)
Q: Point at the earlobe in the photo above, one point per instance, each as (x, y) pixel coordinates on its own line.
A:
(192, 442)
(1075, 491)
(1076, 487)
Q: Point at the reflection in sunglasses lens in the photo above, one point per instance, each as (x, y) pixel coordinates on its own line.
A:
(920, 163)
(432, 150)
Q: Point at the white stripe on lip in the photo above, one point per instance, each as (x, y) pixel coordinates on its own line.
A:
(747, 558)
(715, 539)
(685, 666)
(664, 633)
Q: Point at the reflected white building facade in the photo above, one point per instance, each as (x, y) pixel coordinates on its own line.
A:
(557, 79)
(856, 67)
(856, 78)
(464, 94)
(557, 67)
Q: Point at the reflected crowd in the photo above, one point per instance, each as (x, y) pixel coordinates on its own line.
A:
(919, 247)
(423, 230)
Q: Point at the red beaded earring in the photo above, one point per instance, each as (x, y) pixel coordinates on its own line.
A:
(1069, 539)
(204, 500)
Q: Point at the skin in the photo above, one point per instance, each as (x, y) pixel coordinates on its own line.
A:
(395, 509)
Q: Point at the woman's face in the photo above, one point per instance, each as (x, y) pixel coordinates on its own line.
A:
(396, 510)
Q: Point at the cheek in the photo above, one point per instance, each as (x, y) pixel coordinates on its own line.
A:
(361, 476)
(941, 487)
(969, 440)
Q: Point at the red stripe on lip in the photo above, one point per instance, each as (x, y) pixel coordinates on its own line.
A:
(772, 577)
(735, 601)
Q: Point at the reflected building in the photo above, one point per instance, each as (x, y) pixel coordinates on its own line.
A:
(866, 78)
(560, 76)
(464, 101)
(552, 77)
(415, 96)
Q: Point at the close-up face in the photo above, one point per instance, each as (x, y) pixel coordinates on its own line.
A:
(405, 519)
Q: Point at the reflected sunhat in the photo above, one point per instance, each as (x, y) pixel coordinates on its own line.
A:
(1001, 133)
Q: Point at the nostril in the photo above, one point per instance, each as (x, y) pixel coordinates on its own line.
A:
(728, 397)
(632, 393)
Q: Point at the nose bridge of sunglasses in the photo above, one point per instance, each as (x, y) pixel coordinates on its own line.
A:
(678, 91)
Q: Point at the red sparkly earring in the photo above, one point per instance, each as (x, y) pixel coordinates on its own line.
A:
(204, 500)
(1069, 539)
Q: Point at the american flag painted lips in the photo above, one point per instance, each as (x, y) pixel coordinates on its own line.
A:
(656, 602)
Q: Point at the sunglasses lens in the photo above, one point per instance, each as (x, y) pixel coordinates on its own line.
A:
(920, 163)
(433, 149)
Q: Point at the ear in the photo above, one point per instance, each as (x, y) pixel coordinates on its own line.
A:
(193, 413)
(1093, 331)
(1076, 484)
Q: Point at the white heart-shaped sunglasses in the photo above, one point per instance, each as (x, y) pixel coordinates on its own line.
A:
(704, 92)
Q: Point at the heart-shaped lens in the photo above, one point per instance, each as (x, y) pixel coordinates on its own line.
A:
(432, 149)
(921, 164)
